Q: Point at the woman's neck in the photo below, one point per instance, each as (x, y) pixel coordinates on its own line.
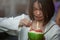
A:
(40, 22)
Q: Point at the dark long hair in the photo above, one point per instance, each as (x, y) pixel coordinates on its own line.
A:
(47, 8)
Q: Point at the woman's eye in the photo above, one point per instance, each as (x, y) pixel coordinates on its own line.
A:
(35, 9)
(40, 9)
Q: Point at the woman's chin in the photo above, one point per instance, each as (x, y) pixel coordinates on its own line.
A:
(39, 19)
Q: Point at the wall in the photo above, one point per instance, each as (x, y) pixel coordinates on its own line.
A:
(10, 6)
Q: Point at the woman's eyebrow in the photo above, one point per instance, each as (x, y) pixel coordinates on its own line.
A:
(37, 8)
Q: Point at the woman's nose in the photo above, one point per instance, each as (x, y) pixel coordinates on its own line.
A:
(38, 12)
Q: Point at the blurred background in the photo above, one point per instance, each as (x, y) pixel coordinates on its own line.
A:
(13, 7)
(10, 8)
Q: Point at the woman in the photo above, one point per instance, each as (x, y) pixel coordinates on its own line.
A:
(41, 11)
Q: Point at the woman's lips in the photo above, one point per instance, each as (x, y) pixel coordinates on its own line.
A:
(38, 16)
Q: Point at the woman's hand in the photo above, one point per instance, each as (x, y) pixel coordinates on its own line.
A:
(25, 22)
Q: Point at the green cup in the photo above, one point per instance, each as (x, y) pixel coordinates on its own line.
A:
(35, 36)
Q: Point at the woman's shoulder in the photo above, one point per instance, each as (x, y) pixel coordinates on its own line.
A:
(52, 23)
(55, 30)
(52, 26)
(55, 27)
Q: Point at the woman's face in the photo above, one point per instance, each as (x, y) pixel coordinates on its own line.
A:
(37, 11)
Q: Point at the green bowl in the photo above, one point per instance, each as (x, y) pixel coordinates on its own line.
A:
(35, 36)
